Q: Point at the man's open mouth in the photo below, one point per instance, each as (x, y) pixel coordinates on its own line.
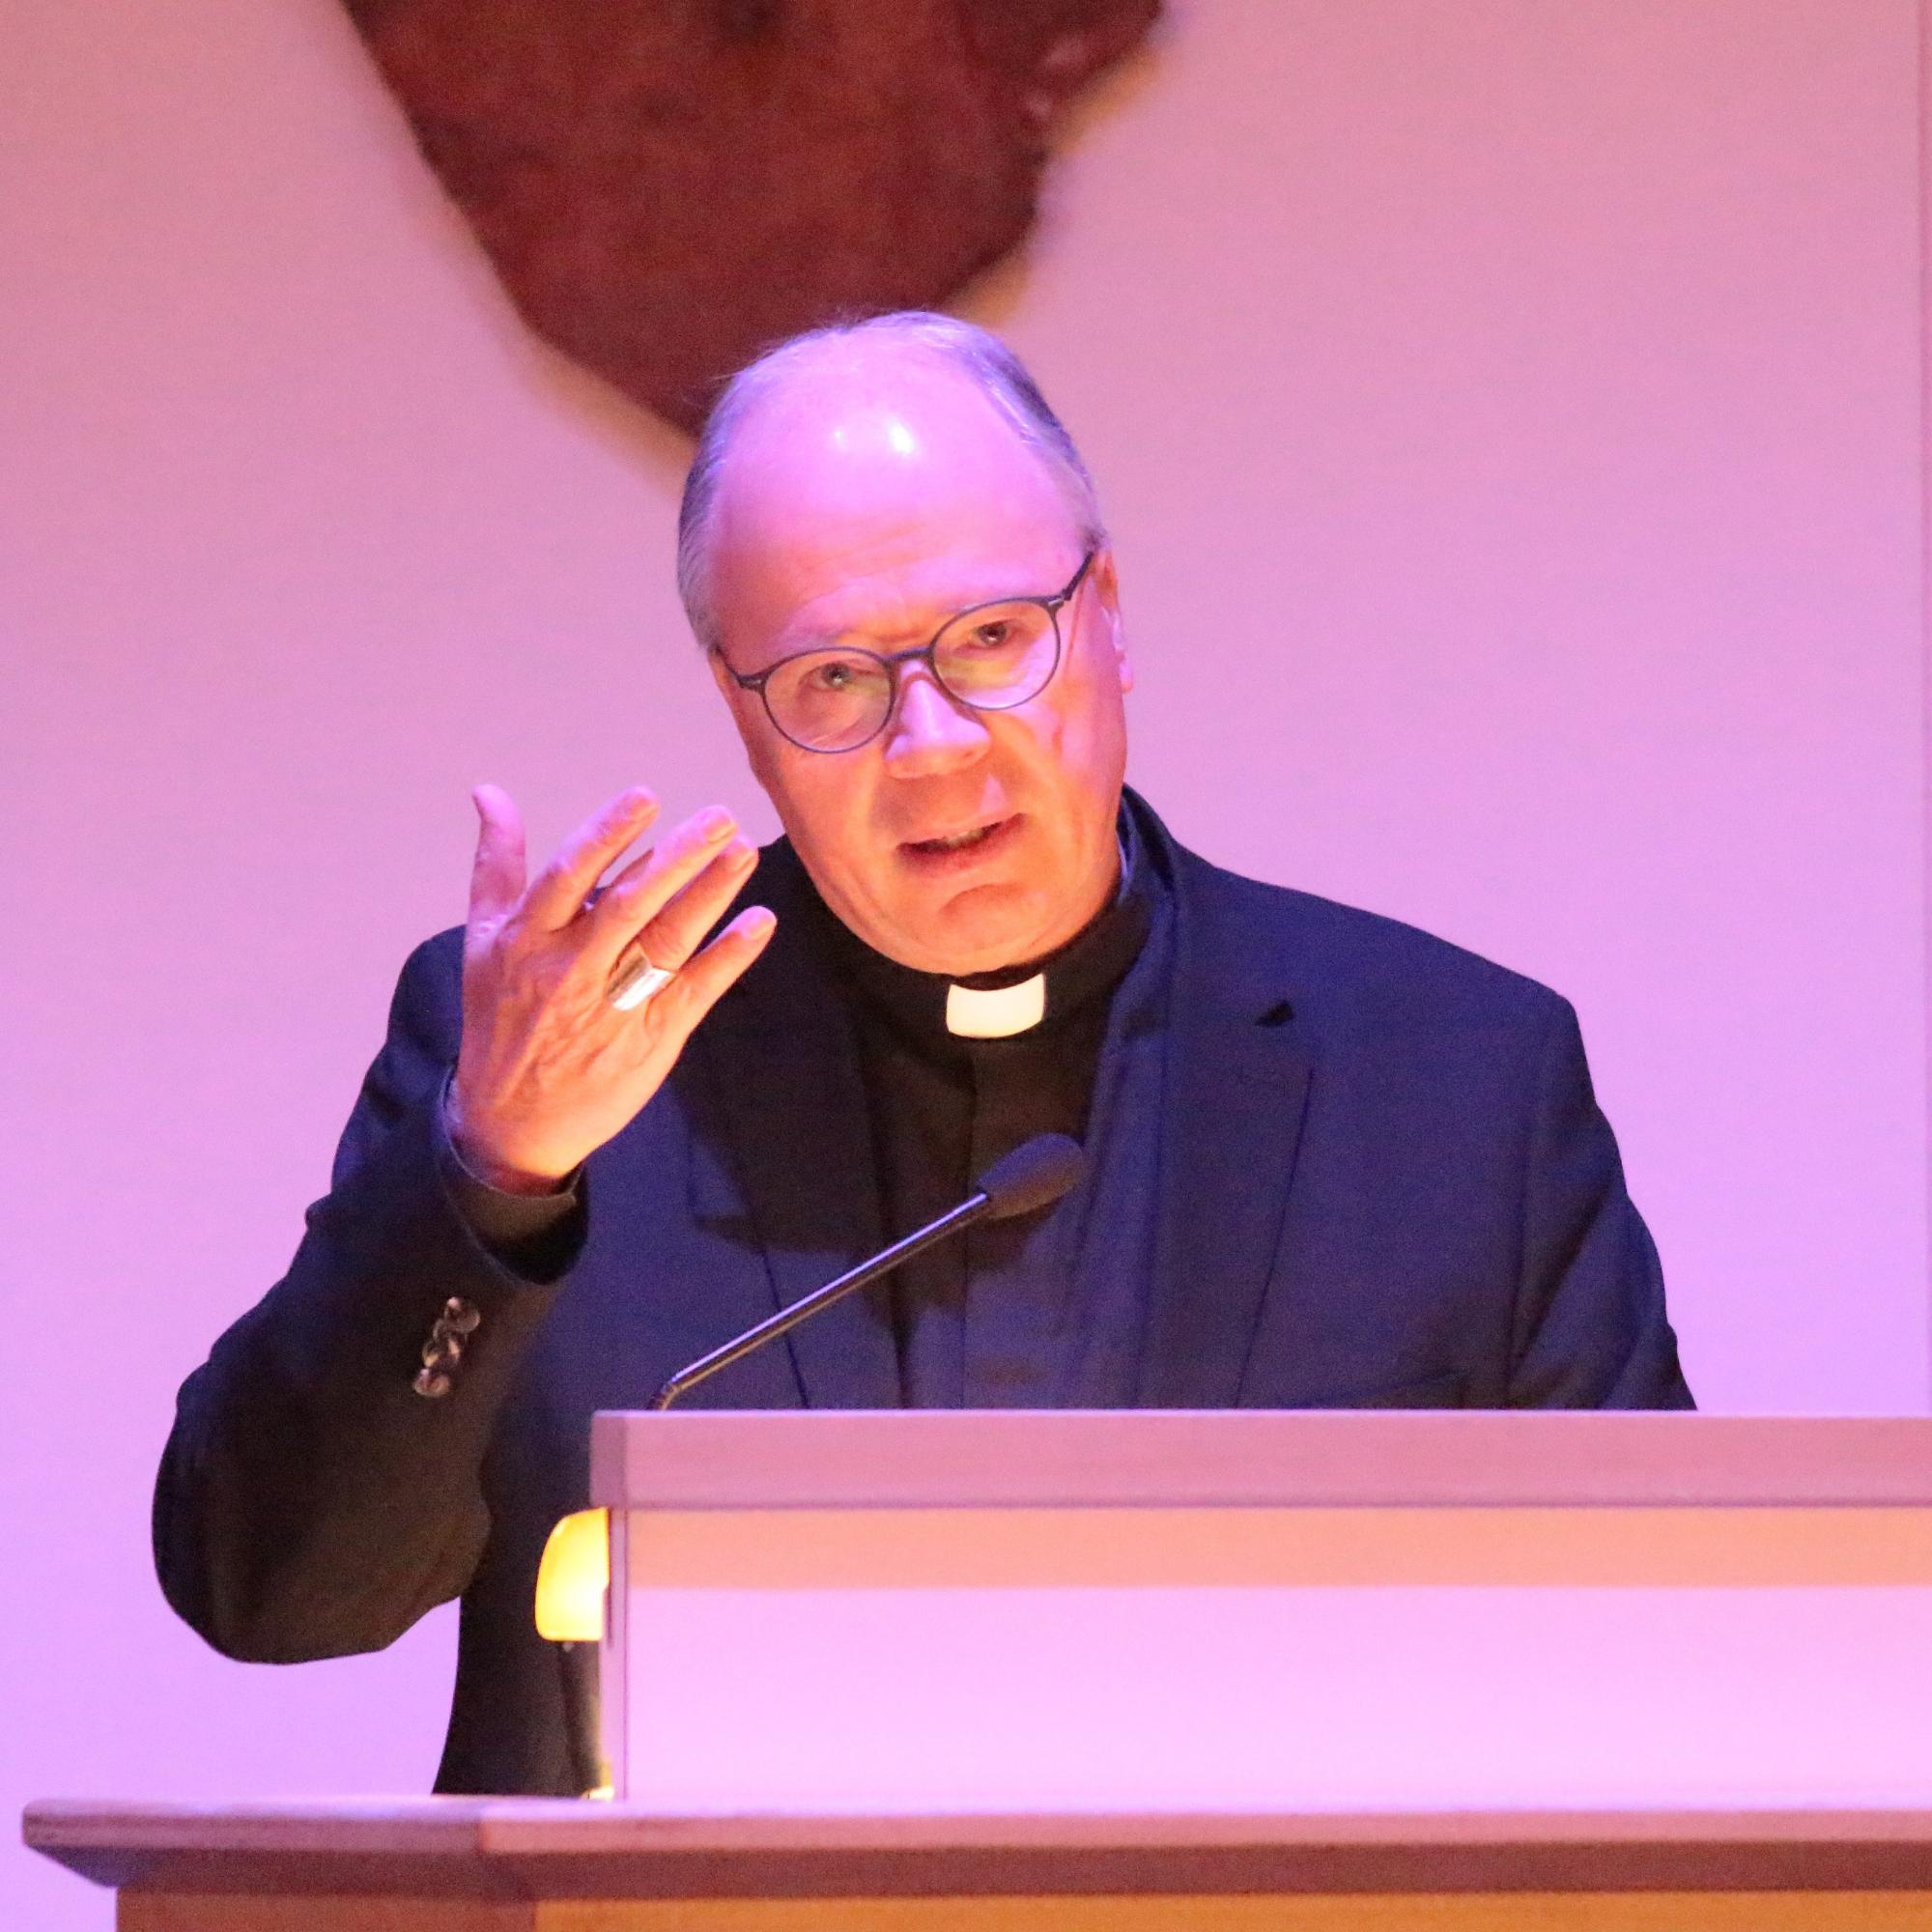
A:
(972, 839)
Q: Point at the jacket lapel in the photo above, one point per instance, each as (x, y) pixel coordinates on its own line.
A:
(780, 1063)
(1236, 1088)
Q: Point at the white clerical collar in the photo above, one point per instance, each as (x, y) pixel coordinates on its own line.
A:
(995, 1012)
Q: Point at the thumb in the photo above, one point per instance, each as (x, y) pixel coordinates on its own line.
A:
(498, 873)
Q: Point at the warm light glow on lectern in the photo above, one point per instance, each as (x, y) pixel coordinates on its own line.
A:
(573, 1578)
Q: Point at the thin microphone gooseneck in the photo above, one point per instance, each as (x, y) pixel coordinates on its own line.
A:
(1035, 1173)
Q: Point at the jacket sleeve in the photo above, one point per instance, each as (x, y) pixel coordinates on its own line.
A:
(1590, 1329)
(310, 1502)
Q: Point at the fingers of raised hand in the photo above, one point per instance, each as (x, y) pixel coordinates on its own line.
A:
(709, 974)
(679, 929)
(677, 889)
(557, 896)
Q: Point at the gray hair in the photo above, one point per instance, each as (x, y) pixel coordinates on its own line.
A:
(979, 354)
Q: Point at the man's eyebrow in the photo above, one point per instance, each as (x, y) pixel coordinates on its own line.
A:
(992, 589)
(825, 636)
(820, 637)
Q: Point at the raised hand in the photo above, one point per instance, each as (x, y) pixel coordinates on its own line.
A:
(548, 1069)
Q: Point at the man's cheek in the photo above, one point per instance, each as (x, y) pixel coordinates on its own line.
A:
(766, 768)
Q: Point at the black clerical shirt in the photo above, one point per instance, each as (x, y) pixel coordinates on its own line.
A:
(1009, 1317)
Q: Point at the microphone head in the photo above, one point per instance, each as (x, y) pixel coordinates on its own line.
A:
(1035, 1173)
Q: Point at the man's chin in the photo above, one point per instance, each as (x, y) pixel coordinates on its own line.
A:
(983, 929)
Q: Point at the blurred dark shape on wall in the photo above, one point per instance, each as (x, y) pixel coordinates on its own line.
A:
(666, 187)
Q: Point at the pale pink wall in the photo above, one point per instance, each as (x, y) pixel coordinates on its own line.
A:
(1509, 417)
(1520, 405)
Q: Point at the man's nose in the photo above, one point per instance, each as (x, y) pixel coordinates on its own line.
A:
(930, 732)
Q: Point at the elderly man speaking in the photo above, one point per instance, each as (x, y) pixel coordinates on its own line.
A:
(635, 1106)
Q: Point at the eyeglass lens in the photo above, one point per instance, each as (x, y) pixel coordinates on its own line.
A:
(992, 658)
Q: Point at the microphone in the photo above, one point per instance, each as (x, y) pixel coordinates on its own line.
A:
(1036, 1172)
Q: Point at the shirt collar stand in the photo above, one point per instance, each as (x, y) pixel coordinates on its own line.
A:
(1017, 1000)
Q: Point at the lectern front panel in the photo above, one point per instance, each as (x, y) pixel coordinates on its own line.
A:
(1269, 1653)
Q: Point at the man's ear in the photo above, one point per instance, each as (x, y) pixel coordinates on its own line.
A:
(746, 713)
(733, 694)
(1107, 594)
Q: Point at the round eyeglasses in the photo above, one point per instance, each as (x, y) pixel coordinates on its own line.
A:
(991, 658)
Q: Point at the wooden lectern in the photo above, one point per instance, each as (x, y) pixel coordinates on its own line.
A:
(1080, 1669)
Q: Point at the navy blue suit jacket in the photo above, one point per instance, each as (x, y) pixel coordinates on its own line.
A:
(1384, 1182)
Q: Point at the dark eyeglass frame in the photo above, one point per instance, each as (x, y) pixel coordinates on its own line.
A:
(925, 653)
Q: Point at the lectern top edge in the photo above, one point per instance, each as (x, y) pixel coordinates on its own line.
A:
(1274, 1459)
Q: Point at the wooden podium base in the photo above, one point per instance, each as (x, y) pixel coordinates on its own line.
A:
(1412, 1912)
(466, 1865)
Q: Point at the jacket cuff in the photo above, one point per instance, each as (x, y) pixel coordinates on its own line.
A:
(534, 1236)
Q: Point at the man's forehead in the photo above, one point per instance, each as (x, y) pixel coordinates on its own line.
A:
(841, 501)
(840, 436)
